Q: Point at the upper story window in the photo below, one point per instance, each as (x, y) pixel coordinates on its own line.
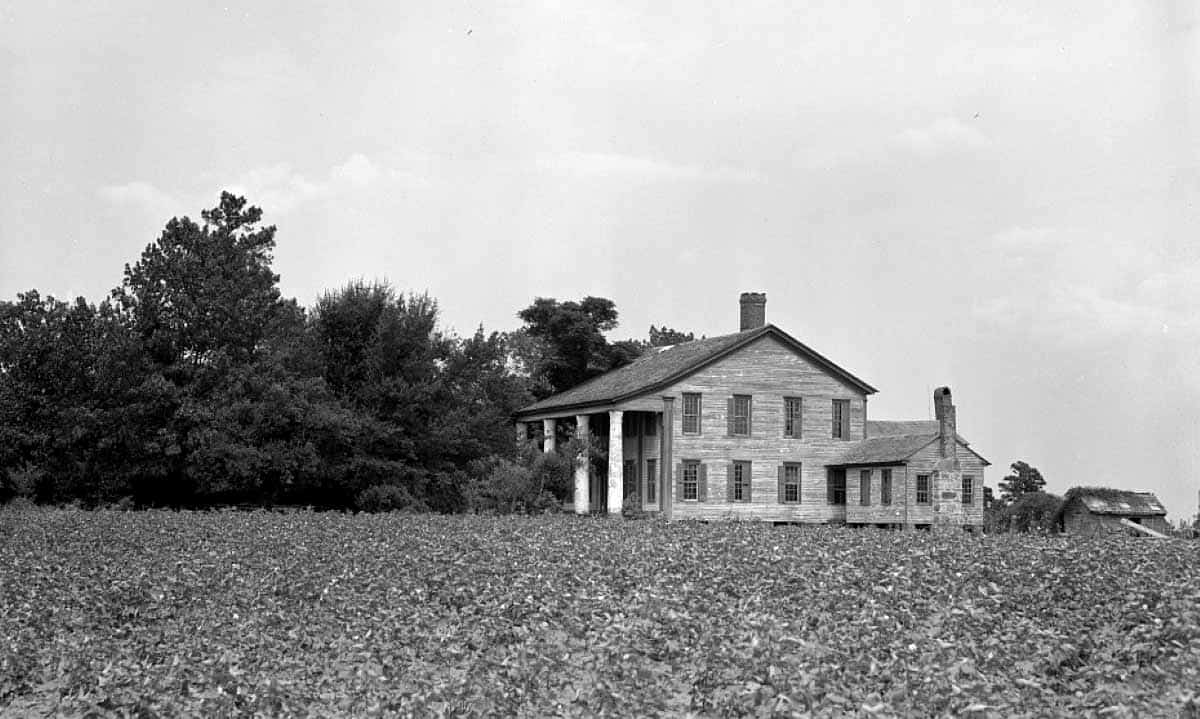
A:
(691, 413)
(922, 489)
(841, 419)
(739, 482)
(791, 416)
(739, 415)
(789, 483)
(885, 486)
(968, 489)
(864, 487)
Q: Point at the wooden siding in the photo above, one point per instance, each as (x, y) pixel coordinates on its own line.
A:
(876, 512)
(767, 371)
(923, 462)
(1079, 520)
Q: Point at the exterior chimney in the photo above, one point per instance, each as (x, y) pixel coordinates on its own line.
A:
(754, 310)
(947, 424)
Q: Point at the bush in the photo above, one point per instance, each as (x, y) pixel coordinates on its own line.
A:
(1031, 512)
(534, 482)
(387, 498)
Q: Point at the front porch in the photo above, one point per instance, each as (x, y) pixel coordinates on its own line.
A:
(625, 457)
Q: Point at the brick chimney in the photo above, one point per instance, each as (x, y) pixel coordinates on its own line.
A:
(943, 409)
(754, 310)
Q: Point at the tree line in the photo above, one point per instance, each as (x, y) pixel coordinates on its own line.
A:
(195, 383)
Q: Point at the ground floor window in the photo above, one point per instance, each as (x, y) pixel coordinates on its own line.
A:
(739, 482)
(922, 489)
(691, 480)
(789, 483)
(968, 489)
(837, 486)
(651, 480)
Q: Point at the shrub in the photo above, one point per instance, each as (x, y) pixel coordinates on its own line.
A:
(386, 498)
(1031, 512)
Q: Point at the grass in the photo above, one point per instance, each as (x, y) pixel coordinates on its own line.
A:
(235, 613)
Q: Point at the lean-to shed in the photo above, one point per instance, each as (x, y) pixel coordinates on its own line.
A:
(1099, 510)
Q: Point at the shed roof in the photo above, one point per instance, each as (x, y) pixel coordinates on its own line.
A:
(1102, 500)
(662, 366)
(894, 442)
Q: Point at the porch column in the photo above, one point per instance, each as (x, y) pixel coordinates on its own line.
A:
(581, 465)
(616, 461)
(548, 435)
(666, 490)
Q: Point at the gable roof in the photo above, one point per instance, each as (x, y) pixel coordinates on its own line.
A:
(894, 442)
(662, 366)
(1102, 500)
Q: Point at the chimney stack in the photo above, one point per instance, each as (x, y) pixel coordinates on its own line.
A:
(754, 310)
(947, 424)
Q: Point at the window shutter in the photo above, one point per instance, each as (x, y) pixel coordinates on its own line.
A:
(729, 417)
(782, 495)
(749, 493)
(750, 417)
(678, 483)
(702, 489)
(729, 495)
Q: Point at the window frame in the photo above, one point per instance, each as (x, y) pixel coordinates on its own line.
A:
(885, 486)
(652, 480)
(841, 419)
(968, 489)
(926, 491)
(692, 465)
(793, 423)
(784, 470)
(741, 485)
(695, 417)
(735, 404)
(864, 487)
(833, 490)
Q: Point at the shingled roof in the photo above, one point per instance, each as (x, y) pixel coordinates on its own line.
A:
(1102, 500)
(893, 442)
(662, 366)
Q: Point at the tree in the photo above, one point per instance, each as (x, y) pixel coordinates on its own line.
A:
(1031, 512)
(1024, 479)
(572, 338)
(662, 337)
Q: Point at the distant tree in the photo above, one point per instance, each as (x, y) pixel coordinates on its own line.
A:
(1031, 512)
(1024, 479)
(664, 336)
(571, 335)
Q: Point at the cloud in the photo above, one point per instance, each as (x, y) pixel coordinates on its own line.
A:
(278, 189)
(631, 167)
(944, 135)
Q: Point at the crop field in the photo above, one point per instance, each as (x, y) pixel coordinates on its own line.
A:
(263, 613)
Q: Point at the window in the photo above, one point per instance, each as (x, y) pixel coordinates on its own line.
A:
(968, 489)
(739, 415)
(885, 486)
(739, 482)
(691, 413)
(651, 480)
(922, 489)
(629, 424)
(651, 425)
(789, 481)
(864, 487)
(629, 478)
(841, 419)
(791, 416)
(837, 486)
(691, 481)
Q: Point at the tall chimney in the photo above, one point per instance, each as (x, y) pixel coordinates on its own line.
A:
(943, 409)
(754, 310)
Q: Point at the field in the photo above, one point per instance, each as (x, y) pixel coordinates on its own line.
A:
(241, 613)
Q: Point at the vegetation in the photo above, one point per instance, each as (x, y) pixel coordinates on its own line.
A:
(238, 613)
(1024, 479)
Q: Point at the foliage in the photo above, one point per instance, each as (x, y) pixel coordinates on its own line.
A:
(534, 482)
(1023, 479)
(266, 613)
(665, 336)
(1032, 512)
(571, 336)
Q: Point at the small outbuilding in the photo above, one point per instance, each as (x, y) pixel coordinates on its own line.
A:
(1099, 510)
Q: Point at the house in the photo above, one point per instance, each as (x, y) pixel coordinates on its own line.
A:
(1099, 510)
(757, 425)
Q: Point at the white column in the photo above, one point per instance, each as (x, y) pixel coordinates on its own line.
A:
(616, 457)
(581, 466)
(548, 435)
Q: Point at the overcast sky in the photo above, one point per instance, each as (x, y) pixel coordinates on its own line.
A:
(1003, 199)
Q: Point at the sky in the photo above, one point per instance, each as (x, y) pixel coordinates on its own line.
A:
(1003, 198)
